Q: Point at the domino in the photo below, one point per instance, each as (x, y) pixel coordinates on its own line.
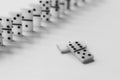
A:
(6, 30)
(37, 12)
(84, 55)
(54, 10)
(62, 5)
(45, 4)
(75, 46)
(1, 38)
(16, 18)
(78, 49)
(81, 52)
(27, 20)
(68, 4)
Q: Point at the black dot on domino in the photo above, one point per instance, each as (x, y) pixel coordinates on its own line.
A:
(83, 57)
(43, 15)
(43, 4)
(8, 32)
(9, 38)
(40, 1)
(78, 52)
(84, 50)
(29, 11)
(83, 53)
(18, 15)
(26, 25)
(0, 19)
(47, 19)
(18, 27)
(22, 17)
(70, 44)
(8, 26)
(7, 20)
(76, 42)
(47, 2)
(89, 54)
(34, 9)
(74, 48)
(19, 33)
(47, 8)
(47, 13)
(14, 18)
(80, 46)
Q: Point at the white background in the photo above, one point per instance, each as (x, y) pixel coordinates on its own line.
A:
(97, 24)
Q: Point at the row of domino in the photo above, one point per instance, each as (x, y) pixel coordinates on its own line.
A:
(32, 19)
(28, 20)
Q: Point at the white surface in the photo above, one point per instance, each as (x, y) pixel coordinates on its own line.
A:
(96, 24)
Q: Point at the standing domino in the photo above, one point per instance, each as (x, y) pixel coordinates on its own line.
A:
(16, 23)
(37, 11)
(1, 38)
(27, 20)
(45, 16)
(54, 10)
(45, 4)
(68, 4)
(62, 4)
(81, 52)
(75, 3)
(86, 1)
(7, 29)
